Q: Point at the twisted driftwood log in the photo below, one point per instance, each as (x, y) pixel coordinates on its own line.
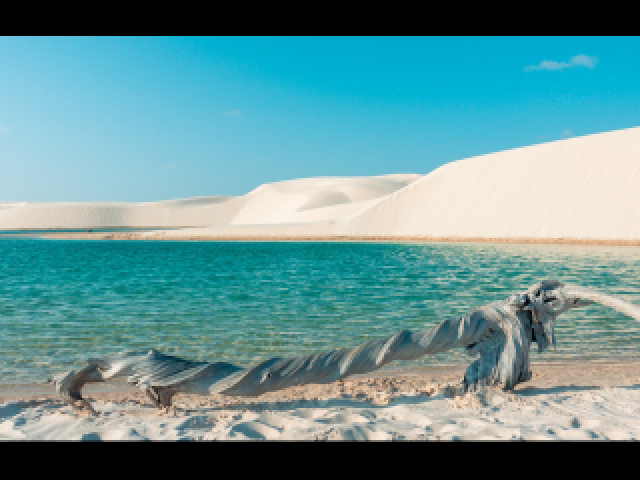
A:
(499, 333)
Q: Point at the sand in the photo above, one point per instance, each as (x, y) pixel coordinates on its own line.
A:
(197, 211)
(577, 190)
(574, 191)
(193, 235)
(563, 401)
(307, 201)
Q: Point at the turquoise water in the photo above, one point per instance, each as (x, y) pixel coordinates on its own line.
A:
(64, 301)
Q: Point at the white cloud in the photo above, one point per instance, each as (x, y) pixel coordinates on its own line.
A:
(171, 165)
(233, 113)
(566, 133)
(576, 61)
(4, 129)
(584, 61)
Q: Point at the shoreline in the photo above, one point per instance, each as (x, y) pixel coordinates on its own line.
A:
(563, 401)
(338, 239)
(594, 373)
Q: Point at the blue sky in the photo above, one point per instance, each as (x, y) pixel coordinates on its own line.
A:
(144, 119)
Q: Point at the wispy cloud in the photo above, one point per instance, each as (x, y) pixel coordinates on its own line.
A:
(566, 133)
(576, 61)
(233, 113)
(171, 166)
(4, 129)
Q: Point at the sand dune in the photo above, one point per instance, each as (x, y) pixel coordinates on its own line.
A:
(199, 211)
(583, 188)
(586, 187)
(289, 202)
(316, 199)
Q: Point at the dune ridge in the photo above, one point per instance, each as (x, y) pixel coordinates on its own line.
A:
(288, 203)
(577, 190)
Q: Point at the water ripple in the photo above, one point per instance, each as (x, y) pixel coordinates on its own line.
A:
(64, 301)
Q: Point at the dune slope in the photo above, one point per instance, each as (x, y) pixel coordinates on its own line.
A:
(292, 202)
(586, 187)
(583, 188)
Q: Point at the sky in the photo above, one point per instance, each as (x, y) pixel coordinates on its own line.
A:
(154, 118)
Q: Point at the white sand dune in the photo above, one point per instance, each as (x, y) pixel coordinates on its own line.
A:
(586, 188)
(290, 202)
(198, 211)
(583, 188)
(316, 199)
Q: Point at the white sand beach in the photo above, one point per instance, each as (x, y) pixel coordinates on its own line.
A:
(563, 401)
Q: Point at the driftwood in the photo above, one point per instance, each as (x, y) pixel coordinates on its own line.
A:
(499, 334)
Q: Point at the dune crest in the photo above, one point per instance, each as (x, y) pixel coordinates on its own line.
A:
(316, 199)
(582, 189)
(307, 200)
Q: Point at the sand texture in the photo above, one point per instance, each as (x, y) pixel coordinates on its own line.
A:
(578, 190)
(583, 187)
(303, 201)
(563, 401)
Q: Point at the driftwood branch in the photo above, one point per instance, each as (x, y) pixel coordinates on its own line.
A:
(499, 334)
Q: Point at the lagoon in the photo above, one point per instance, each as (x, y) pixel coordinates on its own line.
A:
(62, 301)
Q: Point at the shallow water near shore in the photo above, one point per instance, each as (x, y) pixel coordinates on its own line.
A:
(243, 302)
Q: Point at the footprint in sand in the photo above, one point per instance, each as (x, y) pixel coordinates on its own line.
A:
(253, 430)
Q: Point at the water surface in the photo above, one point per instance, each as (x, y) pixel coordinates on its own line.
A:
(62, 301)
